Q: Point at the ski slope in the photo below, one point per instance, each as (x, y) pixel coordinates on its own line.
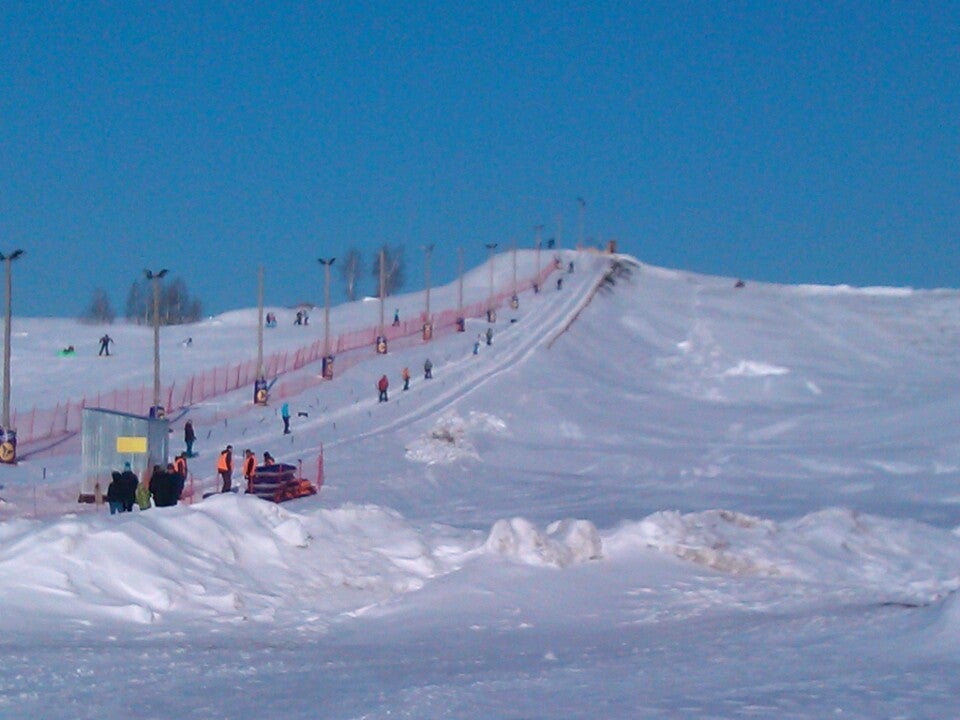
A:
(654, 495)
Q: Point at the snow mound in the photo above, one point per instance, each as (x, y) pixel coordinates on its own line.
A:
(749, 368)
(900, 560)
(228, 558)
(565, 542)
(447, 441)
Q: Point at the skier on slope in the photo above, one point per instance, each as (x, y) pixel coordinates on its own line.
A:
(382, 386)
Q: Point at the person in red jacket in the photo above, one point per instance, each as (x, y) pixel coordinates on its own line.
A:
(382, 387)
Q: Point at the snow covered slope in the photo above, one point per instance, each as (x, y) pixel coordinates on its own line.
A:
(653, 495)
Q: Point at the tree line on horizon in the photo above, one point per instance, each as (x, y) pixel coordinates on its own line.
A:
(177, 306)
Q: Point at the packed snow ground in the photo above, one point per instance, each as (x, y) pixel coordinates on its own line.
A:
(666, 498)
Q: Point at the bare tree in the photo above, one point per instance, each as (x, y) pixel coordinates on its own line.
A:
(393, 267)
(100, 311)
(350, 272)
(176, 304)
(136, 303)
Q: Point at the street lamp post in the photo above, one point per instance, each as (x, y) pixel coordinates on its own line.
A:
(260, 391)
(8, 261)
(427, 325)
(327, 359)
(582, 204)
(382, 336)
(156, 410)
(428, 251)
(260, 322)
(514, 298)
(461, 323)
(539, 242)
(490, 248)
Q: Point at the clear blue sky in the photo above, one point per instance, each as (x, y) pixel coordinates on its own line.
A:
(790, 142)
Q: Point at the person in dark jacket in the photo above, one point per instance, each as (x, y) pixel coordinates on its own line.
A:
(164, 486)
(115, 493)
(188, 437)
(382, 386)
(128, 487)
(427, 370)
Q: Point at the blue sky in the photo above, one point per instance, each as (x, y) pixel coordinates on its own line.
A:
(789, 142)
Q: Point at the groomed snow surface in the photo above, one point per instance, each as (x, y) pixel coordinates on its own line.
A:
(653, 495)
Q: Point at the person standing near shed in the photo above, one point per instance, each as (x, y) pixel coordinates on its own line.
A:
(129, 482)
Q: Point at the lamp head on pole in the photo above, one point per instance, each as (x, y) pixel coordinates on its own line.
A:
(12, 256)
(152, 275)
(326, 261)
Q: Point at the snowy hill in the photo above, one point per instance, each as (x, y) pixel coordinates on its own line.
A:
(653, 495)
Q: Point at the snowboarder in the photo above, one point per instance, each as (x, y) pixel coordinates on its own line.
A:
(405, 376)
(285, 416)
(559, 283)
(189, 436)
(427, 369)
(396, 317)
(477, 343)
(489, 336)
(225, 467)
(105, 345)
(382, 386)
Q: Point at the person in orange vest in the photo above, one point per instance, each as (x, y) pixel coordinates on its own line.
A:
(249, 467)
(180, 468)
(382, 387)
(225, 468)
(405, 375)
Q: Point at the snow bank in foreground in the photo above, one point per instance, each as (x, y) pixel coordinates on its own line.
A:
(234, 557)
(228, 558)
(904, 560)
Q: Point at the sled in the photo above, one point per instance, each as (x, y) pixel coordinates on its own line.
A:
(279, 482)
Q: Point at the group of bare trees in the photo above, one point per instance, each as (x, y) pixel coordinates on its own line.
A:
(177, 306)
(393, 271)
